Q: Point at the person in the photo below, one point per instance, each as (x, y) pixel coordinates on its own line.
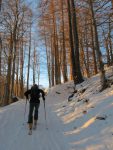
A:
(34, 102)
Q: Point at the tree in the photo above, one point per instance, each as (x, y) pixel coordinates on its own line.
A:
(29, 57)
(77, 76)
(14, 25)
(112, 3)
(64, 46)
(74, 30)
(99, 55)
(0, 4)
(71, 42)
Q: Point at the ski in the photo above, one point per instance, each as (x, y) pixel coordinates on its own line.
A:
(34, 127)
(30, 132)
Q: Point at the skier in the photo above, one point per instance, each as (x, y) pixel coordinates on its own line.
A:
(35, 94)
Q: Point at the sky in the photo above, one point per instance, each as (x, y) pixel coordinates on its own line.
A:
(43, 67)
(40, 49)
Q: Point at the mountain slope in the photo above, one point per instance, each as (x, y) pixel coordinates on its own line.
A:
(83, 123)
(14, 132)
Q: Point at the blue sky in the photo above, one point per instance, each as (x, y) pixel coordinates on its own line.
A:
(40, 48)
(43, 68)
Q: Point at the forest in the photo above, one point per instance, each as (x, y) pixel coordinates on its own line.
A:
(77, 36)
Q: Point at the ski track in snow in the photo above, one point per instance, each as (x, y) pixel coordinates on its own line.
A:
(14, 130)
(68, 127)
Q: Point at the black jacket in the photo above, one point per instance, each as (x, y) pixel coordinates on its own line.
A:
(36, 99)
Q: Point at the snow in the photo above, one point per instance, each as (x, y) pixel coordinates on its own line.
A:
(73, 125)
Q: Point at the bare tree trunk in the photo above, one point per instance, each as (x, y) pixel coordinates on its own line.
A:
(38, 66)
(0, 64)
(48, 61)
(70, 62)
(79, 77)
(71, 42)
(29, 56)
(34, 63)
(0, 4)
(15, 37)
(87, 51)
(112, 3)
(8, 79)
(64, 47)
(93, 49)
(57, 78)
(33, 73)
(99, 55)
(13, 67)
(110, 43)
(56, 50)
(21, 69)
(53, 62)
(107, 48)
(58, 59)
(0, 54)
(107, 52)
(17, 78)
(83, 58)
(47, 55)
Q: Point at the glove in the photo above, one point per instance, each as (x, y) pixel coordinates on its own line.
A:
(27, 97)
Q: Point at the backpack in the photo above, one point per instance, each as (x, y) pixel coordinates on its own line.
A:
(35, 92)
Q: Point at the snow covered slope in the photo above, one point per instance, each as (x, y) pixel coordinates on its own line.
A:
(14, 130)
(84, 123)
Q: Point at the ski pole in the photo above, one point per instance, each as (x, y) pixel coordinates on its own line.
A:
(45, 110)
(25, 109)
(45, 115)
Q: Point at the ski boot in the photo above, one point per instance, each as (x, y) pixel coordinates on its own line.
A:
(30, 129)
(35, 124)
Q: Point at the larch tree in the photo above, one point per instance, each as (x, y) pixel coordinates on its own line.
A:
(14, 15)
(99, 55)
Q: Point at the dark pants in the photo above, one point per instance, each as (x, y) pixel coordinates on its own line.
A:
(33, 108)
